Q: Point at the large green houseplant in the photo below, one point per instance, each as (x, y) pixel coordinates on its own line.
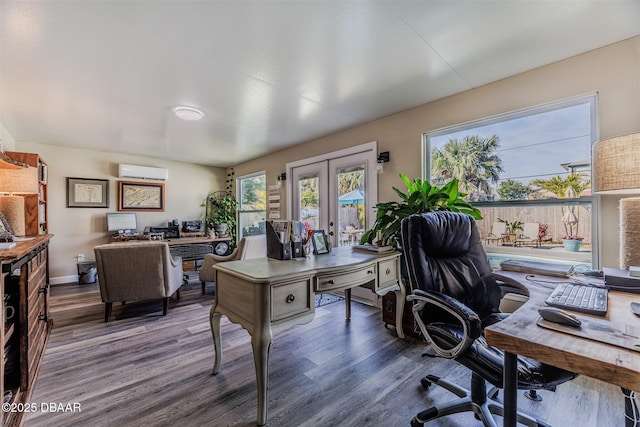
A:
(420, 197)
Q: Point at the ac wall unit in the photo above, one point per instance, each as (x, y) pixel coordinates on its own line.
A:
(142, 172)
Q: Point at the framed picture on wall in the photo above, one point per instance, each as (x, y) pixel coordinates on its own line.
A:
(140, 196)
(87, 193)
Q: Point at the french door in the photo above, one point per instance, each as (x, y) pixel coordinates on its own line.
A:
(335, 193)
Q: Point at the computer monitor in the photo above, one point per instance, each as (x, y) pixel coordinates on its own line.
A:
(122, 222)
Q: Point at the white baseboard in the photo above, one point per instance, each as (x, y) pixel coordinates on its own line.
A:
(63, 279)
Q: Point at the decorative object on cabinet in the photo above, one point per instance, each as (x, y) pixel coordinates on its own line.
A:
(140, 196)
(30, 182)
(5, 227)
(87, 193)
(12, 208)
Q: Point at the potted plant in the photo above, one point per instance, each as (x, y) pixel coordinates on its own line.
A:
(420, 197)
(511, 228)
(572, 242)
(220, 214)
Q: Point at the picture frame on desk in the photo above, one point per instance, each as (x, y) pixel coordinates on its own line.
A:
(140, 196)
(87, 193)
(320, 245)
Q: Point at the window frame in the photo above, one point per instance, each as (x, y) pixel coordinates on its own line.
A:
(594, 200)
(239, 191)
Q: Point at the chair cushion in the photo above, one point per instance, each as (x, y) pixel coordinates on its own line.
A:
(488, 361)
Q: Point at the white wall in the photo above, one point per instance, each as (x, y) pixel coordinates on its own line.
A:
(7, 141)
(79, 230)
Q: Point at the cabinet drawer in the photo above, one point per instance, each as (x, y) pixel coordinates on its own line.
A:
(290, 299)
(344, 279)
(387, 273)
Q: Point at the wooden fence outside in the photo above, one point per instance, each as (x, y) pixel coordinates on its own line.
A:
(543, 214)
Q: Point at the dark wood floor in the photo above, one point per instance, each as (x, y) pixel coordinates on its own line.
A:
(143, 369)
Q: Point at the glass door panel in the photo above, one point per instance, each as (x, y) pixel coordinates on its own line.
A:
(310, 202)
(348, 195)
(350, 204)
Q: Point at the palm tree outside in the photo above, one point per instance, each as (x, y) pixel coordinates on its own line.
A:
(571, 186)
(472, 160)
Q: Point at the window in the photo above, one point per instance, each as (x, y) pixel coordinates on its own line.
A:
(252, 207)
(532, 165)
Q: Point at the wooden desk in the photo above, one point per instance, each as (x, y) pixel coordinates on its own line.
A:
(267, 296)
(520, 335)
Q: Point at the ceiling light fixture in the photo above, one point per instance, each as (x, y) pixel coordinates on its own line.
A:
(188, 113)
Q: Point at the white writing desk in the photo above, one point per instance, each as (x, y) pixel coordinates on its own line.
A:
(266, 296)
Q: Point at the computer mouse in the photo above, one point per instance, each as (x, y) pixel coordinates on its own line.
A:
(559, 316)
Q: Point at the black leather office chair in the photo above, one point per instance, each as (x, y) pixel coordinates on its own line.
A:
(455, 297)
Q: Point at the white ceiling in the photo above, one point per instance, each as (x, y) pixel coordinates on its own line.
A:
(105, 75)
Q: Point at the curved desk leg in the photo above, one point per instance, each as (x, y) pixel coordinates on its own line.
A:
(214, 320)
(401, 298)
(261, 344)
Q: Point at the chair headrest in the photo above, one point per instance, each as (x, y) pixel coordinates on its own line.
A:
(448, 233)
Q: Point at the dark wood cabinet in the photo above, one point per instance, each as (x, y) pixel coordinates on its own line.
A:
(27, 325)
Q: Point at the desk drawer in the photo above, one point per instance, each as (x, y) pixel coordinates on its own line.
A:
(387, 273)
(346, 278)
(290, 299)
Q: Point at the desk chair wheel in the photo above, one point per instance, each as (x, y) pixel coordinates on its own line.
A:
(424, 381)
(532, 395)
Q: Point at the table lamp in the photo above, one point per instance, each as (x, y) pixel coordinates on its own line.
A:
(616, 170)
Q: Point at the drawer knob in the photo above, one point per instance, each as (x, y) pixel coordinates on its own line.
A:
(291, 298)
(388, 271)
(331, 282)
(369, 272)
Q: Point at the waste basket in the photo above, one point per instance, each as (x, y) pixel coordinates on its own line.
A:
(87, 272)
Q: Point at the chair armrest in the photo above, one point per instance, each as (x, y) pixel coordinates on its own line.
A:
(509, 285)
(175, 260)
(468, 319)
(206, 272)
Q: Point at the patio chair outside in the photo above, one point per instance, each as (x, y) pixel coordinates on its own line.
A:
(529, 234)
(495, 235)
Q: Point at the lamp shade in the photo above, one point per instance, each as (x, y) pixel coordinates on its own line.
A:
(616, 163)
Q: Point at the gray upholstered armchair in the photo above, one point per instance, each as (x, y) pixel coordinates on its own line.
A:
(248, 247)
(135, 271)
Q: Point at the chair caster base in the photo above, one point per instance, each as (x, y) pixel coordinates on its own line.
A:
(532, 395)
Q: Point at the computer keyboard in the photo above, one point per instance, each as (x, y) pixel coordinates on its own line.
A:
(577, 297)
